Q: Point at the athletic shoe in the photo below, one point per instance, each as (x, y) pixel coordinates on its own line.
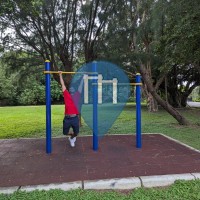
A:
(72, 141)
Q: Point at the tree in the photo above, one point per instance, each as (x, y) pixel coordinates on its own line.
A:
(182, 33)
(179, 49)
(147, 80)
(183, 79)
(47, 28)
(93, 22)
(144, 41)
(58, 30)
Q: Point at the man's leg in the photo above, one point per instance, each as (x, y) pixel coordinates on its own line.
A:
(75, 127)
(66, 125)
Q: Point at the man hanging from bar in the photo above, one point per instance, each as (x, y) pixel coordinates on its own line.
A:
(72, 109)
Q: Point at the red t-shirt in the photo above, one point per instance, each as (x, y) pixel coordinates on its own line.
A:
(71, 103)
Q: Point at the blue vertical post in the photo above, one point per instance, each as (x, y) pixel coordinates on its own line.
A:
(48, 107)
(95, 108)
(138, 112)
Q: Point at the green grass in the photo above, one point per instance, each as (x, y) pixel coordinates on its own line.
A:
(180, 190)
(29, 122)
(161, 122)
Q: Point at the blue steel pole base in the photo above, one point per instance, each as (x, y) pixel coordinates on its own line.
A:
(138, 112)
(48, 107)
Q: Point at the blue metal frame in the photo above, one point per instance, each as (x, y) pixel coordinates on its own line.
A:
(138, 112)
(95, 106)
(48, 107)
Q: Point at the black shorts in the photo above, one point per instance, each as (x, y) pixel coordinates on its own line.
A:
(71, 122)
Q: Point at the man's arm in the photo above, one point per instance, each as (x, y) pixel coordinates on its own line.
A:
(61, 81)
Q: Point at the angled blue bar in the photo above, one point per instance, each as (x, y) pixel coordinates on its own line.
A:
(95, 106)
(138, 112)
(48, 107)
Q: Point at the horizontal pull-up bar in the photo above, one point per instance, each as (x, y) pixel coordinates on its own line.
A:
(129, 84)
(134, 84)
(56, 72)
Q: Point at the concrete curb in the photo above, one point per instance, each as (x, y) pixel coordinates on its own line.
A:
(62, 186)
(164, 180)
(109, 184)
(177, 141)
(8, 190)
(120, 184)
(196, 175)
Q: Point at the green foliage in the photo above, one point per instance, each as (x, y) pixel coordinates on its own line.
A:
(182, 31)
(32, 96)
(195, 96)
(34, 92)
(8, 88)
(23, 81)
(56, 92)
(29, 92)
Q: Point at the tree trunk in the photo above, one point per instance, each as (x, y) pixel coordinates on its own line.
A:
(151, 102)
(166, 92)
(172, 111)
(184, 100)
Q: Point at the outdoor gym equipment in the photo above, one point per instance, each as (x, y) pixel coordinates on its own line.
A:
(95, 89)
